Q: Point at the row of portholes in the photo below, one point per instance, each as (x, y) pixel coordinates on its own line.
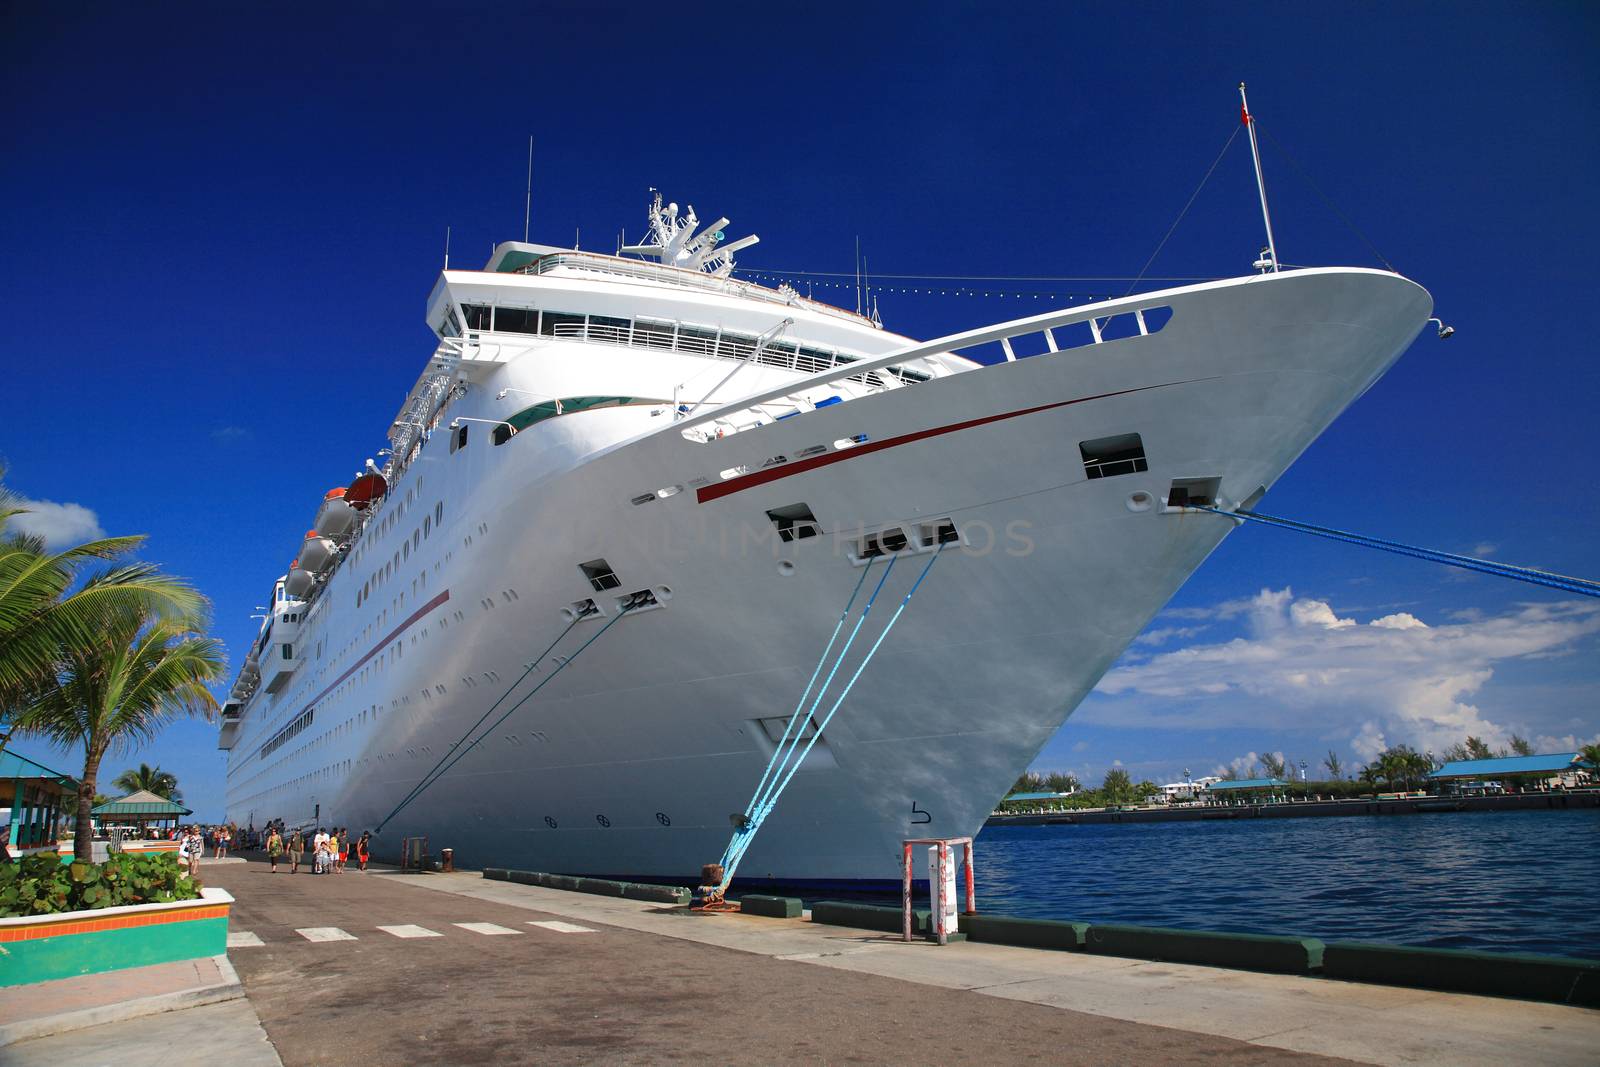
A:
(661, 817)
(418, 535)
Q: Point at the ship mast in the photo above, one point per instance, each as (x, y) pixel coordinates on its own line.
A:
(1271, 262)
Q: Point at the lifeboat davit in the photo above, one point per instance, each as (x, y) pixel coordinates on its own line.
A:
(298, 583)
(316, 553)
(335, 517)
(366, 490)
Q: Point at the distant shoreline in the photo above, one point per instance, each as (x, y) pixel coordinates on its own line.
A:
(1302, 809)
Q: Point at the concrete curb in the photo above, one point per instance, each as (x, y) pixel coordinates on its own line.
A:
(1026, 933)
(28, 1029)
(1555, 979)
(602, 887)
(868, 916)
(1207, 948)
(771, 907)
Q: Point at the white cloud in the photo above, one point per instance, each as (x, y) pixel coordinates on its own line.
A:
(61, 525)
(227, 435)
(1402, 620)
(1484, 548)
(1566, 743)
(1164, 634)
(1394, 680)
(1316, 613)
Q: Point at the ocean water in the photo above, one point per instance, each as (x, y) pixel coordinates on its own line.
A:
(1513, 881)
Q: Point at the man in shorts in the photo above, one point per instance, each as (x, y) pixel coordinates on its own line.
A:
(297, 849)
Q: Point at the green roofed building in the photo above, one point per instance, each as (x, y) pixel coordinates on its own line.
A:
(36, 795)
(1245, 790)
(142, 809)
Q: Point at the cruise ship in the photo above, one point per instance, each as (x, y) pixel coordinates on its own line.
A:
(629, 496)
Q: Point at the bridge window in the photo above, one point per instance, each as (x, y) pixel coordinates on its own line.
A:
(561, 324)
(516, 320)
(479, 316)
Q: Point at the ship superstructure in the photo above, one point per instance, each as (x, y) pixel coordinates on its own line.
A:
(702, 467)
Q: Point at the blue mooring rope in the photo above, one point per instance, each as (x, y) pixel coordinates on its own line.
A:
(456, 752)
(755, 816)
(1581, 586)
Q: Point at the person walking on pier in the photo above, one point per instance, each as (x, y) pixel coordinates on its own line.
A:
(342, 848)
(191, 849)
(274, 846)
(364, 849)
(319, 852)
(297, 849)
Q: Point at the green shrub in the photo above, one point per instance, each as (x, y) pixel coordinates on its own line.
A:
(42, 885)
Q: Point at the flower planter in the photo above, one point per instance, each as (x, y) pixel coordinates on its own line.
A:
(41, 948)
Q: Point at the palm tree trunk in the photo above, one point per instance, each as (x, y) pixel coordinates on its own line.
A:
(83, 831)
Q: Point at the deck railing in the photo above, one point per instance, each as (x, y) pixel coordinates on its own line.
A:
(680, 277)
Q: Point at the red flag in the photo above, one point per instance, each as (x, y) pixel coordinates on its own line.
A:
(1244, 116)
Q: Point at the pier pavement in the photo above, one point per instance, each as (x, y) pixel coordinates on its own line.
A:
(450, 968)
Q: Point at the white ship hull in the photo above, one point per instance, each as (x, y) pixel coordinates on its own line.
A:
(630, 761)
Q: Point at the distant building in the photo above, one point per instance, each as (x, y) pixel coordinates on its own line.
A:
(1246, 790)
(1188, 790)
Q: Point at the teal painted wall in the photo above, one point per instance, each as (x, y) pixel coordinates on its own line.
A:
(49, 958)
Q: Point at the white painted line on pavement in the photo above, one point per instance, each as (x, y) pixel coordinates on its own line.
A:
(561, 927)
(325, 933)
(409, 931)
(243, 939)
(486, 928)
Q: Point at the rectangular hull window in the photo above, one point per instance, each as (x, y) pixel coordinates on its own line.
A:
(600, 575)
(795, 522)
(1107, 457)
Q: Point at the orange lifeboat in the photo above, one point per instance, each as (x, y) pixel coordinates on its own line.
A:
(366, 490)
(335, 517)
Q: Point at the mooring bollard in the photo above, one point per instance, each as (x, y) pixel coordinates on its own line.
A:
(447, 859)
(941, 885)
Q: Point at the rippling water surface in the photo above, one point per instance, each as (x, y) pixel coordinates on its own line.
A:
(1514, 881)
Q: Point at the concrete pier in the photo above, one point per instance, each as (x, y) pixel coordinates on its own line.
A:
(392, 968)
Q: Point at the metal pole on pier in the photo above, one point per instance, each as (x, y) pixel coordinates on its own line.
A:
(1261, 182)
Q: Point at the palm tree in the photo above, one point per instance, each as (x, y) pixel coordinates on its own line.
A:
(1520, 746)
(40, 620)
(1028, 782)
(138, 674)
(1118, 787)
(1334, 764)
(1058, 782)
(1275, 766)
(151, 779)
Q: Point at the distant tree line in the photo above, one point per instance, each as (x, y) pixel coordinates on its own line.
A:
(1399, 768)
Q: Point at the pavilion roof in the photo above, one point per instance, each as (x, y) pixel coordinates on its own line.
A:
(14, 766)
(142, 802)
(1245, 783)
(1549, 763)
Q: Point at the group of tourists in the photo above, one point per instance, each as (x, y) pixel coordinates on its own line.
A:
(330, 851)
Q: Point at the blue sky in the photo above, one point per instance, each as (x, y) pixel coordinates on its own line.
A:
(221, 224)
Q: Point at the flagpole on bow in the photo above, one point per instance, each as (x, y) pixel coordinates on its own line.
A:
(1261, 182)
